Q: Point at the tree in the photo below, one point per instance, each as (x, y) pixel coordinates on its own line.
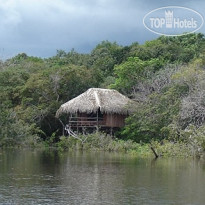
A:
(134, 70)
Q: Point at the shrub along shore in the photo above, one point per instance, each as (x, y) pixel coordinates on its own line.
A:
(102, 142)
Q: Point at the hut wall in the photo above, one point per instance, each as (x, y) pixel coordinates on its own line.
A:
(114, 120)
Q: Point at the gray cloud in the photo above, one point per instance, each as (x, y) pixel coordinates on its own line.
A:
(39, 28)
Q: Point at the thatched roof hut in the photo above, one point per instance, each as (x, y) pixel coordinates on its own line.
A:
(107, 101)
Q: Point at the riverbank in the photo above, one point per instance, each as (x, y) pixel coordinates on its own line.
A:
(102, 142)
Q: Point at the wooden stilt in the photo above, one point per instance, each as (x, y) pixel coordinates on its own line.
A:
(111, 131)
(97, 121)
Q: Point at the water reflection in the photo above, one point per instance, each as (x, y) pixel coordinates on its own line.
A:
(51, 177)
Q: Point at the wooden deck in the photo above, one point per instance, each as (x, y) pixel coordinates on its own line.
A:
(86, 122)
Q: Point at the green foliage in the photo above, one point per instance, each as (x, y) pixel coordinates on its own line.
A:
(195, 137)
(172, 149)
(150, 119)
(35, 93)
(105, 56)
(173, 49)
(157, 75)
(168, 103)
(132, 71)
(101, 141)
(15, 132)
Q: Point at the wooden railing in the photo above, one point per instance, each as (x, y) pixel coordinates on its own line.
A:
(85, 121)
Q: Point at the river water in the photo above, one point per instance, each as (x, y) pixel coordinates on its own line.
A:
(51, 177)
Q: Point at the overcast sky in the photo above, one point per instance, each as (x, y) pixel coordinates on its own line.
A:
(40, 27)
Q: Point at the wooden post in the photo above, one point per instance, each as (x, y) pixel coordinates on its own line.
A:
(97, 121)
(77, 124)
(111, 129)
(70, 119)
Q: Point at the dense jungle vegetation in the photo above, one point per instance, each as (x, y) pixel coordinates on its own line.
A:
(165, 76)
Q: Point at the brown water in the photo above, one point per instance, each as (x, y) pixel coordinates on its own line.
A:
(50, 177)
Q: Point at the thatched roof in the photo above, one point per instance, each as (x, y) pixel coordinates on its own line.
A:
(107, 100)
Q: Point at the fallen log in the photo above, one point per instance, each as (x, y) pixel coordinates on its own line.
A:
(155, 153)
